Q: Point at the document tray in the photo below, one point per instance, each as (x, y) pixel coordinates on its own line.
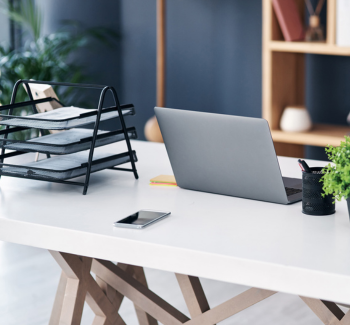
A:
(65, 167)
(67, 142)
(63, 118)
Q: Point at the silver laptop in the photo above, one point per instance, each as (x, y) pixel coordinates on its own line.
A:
(225, 154)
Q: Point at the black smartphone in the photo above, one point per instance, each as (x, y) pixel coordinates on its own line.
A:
(141, 219)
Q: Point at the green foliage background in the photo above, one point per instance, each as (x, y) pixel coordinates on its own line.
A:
(44, 57)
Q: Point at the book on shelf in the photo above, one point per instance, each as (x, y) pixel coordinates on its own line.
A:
(289, 19)
(343, 23)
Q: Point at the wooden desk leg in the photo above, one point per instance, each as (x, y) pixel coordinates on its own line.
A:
(114, 282)
(143, 317)
(116, 298)
(58, 304)
(76, 286)
(193, 293)
(167, 314)
(70, 297)
(328, 312)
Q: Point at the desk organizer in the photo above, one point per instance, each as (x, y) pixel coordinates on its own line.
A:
(74, 147)
(313, 201)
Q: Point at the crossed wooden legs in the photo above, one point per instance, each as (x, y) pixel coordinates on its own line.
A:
(77, 286)
(328, 312)
(113, 282)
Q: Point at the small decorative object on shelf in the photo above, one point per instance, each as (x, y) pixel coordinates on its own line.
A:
(76, 148)
(315, 32)
(336, 178)
(295, 119)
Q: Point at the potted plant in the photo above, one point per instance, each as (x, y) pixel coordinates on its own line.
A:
(336, 178)
(44, 57)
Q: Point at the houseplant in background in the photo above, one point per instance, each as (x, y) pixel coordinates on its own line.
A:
(336, 179)
(44, 57)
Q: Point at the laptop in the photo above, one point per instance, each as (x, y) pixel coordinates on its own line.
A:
(225, 154)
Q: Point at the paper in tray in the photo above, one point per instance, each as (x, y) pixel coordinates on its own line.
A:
(65, 167)
(62, 118)
(70, 141)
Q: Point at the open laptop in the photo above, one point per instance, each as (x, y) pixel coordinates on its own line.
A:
(225, 154)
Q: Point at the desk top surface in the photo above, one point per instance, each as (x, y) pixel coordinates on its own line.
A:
(242, 241)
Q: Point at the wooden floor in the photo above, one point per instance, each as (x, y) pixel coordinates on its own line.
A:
(29, 276)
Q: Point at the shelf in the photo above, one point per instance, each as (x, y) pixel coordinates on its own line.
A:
(321, 135)
(307, 47)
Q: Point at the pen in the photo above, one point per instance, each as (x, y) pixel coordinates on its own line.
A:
(304, 166)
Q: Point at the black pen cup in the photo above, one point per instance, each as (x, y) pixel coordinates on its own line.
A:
(313, 201)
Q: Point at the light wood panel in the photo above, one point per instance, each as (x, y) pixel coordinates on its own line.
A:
(331, 21)
(321, 135)
(152, 131)
(283, 78)
(307, 47)
(289, 149)
(161, 53)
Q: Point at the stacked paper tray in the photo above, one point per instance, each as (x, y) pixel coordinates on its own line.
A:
(67, 142)
(63, 118)
(65, 167)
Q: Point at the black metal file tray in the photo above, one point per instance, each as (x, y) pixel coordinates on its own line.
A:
(65, 167)
(67, 142)
(64, 117)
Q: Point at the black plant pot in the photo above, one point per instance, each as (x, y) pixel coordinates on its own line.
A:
(348, 202)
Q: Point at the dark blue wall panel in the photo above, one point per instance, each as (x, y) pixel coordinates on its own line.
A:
(102, 64)
(213, 58)
(327, 92)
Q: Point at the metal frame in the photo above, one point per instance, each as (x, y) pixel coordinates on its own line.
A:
(104, 89)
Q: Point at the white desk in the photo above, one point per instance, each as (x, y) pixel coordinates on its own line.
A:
(258, 244)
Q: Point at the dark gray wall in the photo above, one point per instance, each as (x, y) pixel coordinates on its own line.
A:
(213, 55)
(102, 64)
(328, 92)
(4, 29)
(213, 58)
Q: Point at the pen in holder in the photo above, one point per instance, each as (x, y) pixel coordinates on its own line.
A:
(313, 201)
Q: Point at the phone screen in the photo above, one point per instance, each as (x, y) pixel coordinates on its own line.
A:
(142, 218)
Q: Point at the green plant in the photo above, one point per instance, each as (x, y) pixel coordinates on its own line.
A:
(336, 179)
(44, 59)
(47, 57)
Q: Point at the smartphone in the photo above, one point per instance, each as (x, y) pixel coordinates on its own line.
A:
(141, 219)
